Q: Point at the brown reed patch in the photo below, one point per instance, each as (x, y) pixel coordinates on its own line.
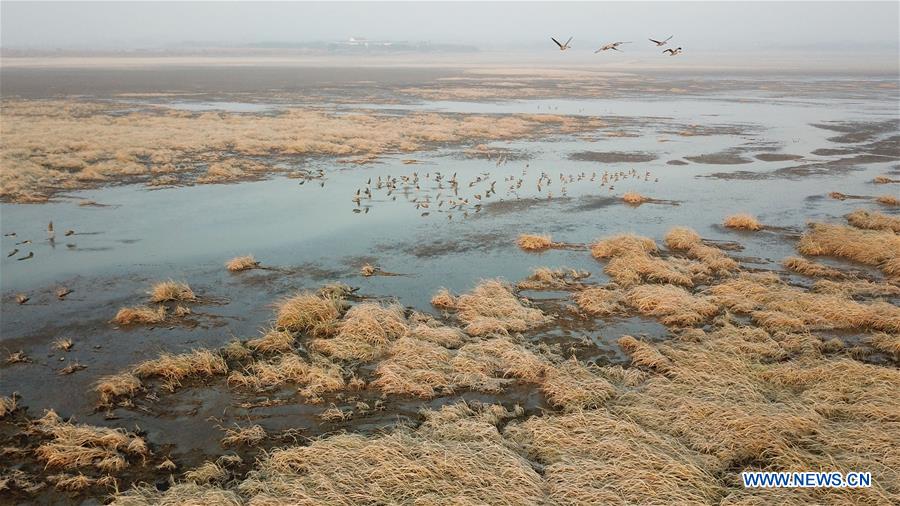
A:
(878, 248)
(316, 377)
(778, 306)
(634, 198)
(74, 446)
(856, 288)
(243, 436)
(368, 270)
(180, 493)
(8, 405)
(631, 260)
(599, 301)
(166, 291)
(492, 308)
(673, 305)
(572, 386)
(533, 242)
(873, 220)
(364, 332)
(443, 299)
(172, 369)
(687, 240)
(242, 263)
(884, 180)
(208, 472)
(308, 312)
(888, 200)
(806, 267)
(886, 343)
(544, 278)
(742, 222)
(273, 341)
(115, 387)
(448, 337)
(63, 344)
(140, 315)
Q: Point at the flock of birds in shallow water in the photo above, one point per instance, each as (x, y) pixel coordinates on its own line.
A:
(435, 191)
(615, 45)
(51, 238)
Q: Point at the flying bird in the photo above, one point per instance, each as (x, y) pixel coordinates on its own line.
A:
(613, 46)
(673, 52)
(660, 42)
(562, 47)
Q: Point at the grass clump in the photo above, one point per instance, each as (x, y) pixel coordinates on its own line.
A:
(632, 260)
(873, 220)
(809, 268)
(172, 369)
(448, 337)
(315, 377)
(687, 240)
(273, 341)
(778, 306)
(534, 242)
(74, 446)
(742, 222)
(308, 312)
(443, 299)
(63, 344)
(886, 343)
(243, 263)
(634, 198)
(492, 308)
(8, 405)
(544, 278)
(572, 386)
(599, 301)
(144, 315)
(888, 200)
(878, 248)
(115, 387)
(166, 291)
(364, 332)
(244, 436)
(673, 305)
(884, 180)
(180, 493)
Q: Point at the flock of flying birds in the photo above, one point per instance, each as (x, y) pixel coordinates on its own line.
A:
(442, 193)
(615, 45)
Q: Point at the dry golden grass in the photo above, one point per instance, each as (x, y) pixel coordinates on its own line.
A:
(273, 341)
(184, 494)
(598, 301)
(316, 377)
(8, 405)
(243, 436)
(873, 220)
(236, 351)
(742, 222)
(878, 248)
(448, 337)
(308, 312)
(573, 386)
(243, 263)
(63, 344)
(673, 305)
(888, 200)
(172, 369)
(883, 180)
(72, 483)
(886, 343)
(492, 308)
(777, 306)
(533, 242)
(856, 288)
(634, 198)
(364, 332)
(455, 457)
(144, 315)
(52, 145)
(687, 240)
(368, 270)
(116, 386)
(443, 299)
(545, 278)
(166, 291)
(86, 446)
(208, 472)
(631, 261)
(806, 267)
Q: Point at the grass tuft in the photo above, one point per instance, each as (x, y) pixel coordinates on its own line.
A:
(242, 263)
(742, 222)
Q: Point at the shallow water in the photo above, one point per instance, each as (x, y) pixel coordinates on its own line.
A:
(310, 234)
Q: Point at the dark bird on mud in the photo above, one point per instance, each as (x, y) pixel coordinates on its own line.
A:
(27, 241)
(26, 257)
(13, 252)
(614, 46)
(11, 234)
(562, 47)
(661, 42)
(673, 52)
(69, 232)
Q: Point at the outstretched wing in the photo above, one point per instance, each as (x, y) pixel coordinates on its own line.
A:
(670, 38)
(570, 40)
(557, 42)
(654, 41)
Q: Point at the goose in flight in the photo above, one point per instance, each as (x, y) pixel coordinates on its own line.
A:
(660, 42)
(614, 46)
(673, 52)
(562, 47)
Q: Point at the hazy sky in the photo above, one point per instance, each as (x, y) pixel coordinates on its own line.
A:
(820, 26)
